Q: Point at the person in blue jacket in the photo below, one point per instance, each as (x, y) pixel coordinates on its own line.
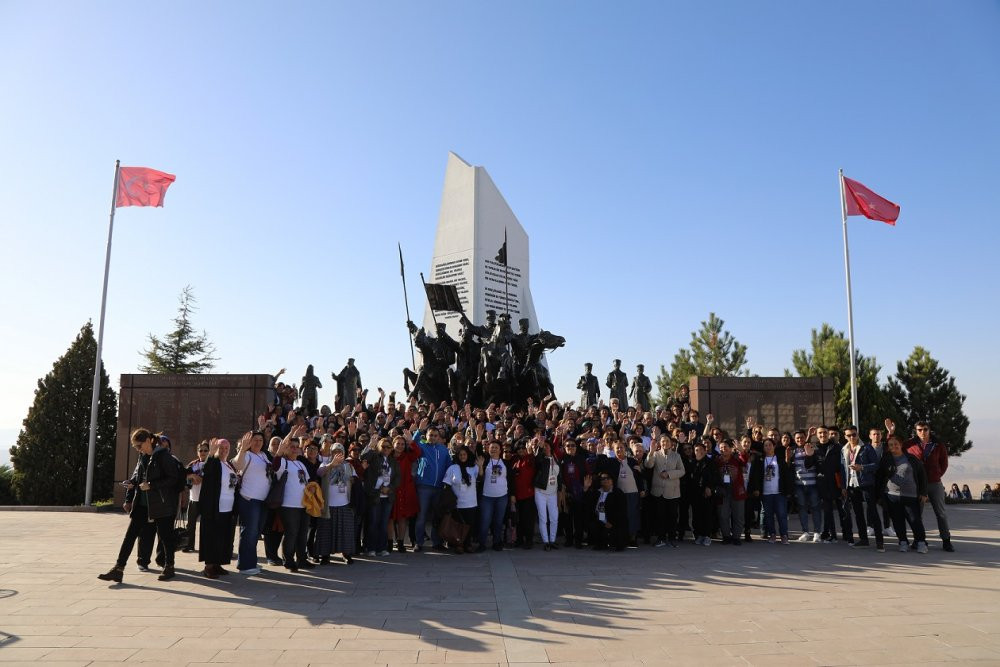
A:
(431, 466)
(860, 462)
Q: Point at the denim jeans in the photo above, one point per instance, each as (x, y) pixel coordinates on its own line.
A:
(376, 536)
(426, 495)
(251, 521)
(808, 499)
(775, 505)
(491, 514)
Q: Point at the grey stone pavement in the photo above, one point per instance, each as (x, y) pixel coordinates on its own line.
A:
(800, 604)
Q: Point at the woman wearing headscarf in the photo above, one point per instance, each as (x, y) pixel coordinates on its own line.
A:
(335, 527)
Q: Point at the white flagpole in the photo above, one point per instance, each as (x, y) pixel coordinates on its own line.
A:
(850, 309)
(92, 448)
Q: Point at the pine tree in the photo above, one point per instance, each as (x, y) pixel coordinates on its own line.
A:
(830, 357)
(922, 390)
(50, 457)
(712, 352)
(182, 350)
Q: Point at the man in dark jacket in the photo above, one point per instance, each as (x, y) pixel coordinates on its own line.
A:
(934, 457)
(574, 518)
(606, 507)
(861, 464)
(828, 484)
(151, 503)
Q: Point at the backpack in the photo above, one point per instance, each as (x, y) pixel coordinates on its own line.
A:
(180, 483)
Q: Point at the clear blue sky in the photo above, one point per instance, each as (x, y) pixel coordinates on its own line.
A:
(666, 159)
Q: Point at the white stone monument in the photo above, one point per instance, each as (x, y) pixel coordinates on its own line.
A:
(470, 234)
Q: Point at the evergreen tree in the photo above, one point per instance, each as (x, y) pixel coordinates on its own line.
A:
(830, 356)
(712, 352)
(50, 457)
(922, 390)
(181, 350)
(7, 496)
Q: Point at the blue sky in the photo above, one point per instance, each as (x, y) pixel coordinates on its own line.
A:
(666, 159)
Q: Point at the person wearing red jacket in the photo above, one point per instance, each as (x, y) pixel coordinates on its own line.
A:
(934, 456)
(524, 493)
(732, 493)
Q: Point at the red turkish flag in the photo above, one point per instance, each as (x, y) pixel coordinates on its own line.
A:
(862, 201)
(142, 186)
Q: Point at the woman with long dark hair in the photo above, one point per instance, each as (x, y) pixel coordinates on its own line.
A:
(461, 477)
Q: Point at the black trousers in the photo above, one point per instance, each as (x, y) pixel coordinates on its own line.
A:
(831, 499)
(666, 517)
(573, 521)
(602, 537)
(702, 513)
(193, 512)
(907, 511)
(141, 528)
(293, 547)
(526, 521)
(684, 510)
(864, 516)
(751, 513)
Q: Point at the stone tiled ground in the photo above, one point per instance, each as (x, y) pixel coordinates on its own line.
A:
(757, 604)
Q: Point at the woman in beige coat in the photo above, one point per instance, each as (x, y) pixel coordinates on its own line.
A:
(665, 490)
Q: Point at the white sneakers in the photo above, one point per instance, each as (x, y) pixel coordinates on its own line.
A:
(383, 553)
(806, 537)
(871, 532)
(251, 571)
(921, 547)
(817, 538)
(904, 546)
(889, 532)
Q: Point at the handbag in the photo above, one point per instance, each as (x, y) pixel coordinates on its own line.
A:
(180, 528)
(312, 499)
(453, 531)
(276, 494)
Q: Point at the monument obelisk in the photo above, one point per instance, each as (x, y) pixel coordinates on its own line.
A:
(471, 226)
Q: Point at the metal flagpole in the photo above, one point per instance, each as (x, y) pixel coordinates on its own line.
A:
(92, 447)
(406, 301)
(850, 307)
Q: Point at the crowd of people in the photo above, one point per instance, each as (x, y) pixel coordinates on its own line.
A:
(371, 479)
(987, 495)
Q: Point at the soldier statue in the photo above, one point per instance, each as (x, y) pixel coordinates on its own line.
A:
(617, 382)
(348, 384)
(310, 400)
(590, 388)
(640, 389)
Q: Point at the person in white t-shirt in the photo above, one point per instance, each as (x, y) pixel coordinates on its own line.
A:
(497, 491)
(292, 511)
(254, 465)
(461, 477)
(194, 472)
(548, 486)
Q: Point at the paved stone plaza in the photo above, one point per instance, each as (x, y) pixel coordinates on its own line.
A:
(755, 604)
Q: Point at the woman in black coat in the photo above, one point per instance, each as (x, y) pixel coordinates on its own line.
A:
(218, 493)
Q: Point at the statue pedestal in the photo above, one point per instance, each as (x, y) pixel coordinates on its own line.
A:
(470, 233)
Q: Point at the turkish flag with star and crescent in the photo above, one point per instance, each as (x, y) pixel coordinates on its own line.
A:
(142, 186)
(862, 201)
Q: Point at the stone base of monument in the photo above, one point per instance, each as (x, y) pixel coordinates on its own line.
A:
(187, 408)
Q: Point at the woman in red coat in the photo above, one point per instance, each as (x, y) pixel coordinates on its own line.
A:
(406, 505)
